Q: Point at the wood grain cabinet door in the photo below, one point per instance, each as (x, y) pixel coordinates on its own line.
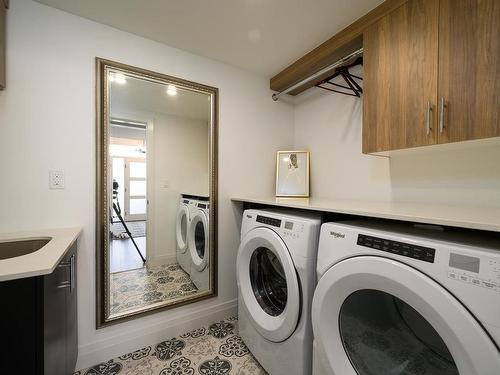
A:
(469, 69)
(400, 78)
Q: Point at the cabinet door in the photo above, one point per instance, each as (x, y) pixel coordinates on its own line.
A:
(20, 326)
(469, 69)
(400, 78)
(55, 322)
(71, 314)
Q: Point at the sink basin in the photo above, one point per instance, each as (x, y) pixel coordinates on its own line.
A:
(12, 249)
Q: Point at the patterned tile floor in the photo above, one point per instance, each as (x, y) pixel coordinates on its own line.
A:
(213, 350)
(146, 286)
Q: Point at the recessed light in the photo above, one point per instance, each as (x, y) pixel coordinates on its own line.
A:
(117, 78)
(171, 90)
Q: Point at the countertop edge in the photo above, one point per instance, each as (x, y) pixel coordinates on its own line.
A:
(393, 211)
(47, 258)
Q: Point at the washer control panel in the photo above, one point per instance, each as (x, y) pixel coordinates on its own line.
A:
(269, 221)
(481, 272)
(289, 229)
(423, 253)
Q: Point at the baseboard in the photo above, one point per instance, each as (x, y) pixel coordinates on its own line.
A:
(161, 260)
(97, 352)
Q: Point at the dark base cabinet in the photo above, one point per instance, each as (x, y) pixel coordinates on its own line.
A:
(38, 322)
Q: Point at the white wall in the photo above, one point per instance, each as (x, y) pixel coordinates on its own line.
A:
(330, 126)
(180, 162)
(47, 121)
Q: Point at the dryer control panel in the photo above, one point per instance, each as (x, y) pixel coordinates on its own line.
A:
(482, 272)
(399, 248)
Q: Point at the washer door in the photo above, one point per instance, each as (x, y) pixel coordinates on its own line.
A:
(198, 240)
(268, 284)
(181, 228)
(377, 316)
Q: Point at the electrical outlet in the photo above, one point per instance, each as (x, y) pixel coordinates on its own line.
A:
(56, 179)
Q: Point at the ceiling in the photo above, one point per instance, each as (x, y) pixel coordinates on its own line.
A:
(137, 95)
(262, 36)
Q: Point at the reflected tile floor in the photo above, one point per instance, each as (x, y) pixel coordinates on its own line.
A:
(146, 286)
(213, 350)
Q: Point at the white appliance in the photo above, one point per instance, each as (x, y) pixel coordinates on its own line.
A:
(182, 223)
(198, 243)
(276, 278)
(403, 300)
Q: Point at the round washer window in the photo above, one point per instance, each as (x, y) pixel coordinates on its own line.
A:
(183, 228)
(382, 334)
(199, 239)
(268, 281)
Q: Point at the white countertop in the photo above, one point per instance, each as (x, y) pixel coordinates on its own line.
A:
(483, 218)
(42, 261)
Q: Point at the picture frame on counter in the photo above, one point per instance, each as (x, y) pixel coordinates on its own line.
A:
(292, 174)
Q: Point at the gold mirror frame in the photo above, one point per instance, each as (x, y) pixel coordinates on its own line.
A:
(103, 67)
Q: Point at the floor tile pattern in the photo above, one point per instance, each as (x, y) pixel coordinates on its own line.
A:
(213, 350)
(146, 286)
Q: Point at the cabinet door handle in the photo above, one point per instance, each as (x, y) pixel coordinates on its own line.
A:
(72, 273)
(428, 119)
(64, 284)
(442, 106)
(71, 283)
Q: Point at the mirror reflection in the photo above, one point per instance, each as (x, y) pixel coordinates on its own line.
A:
(159, 137)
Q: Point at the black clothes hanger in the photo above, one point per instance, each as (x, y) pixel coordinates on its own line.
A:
(352, 89)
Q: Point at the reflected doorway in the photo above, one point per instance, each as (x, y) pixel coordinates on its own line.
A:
(128, 246)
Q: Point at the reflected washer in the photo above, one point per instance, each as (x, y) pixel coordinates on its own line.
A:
(276, 278)
(182, 223)
(198, 244)
(397, 299)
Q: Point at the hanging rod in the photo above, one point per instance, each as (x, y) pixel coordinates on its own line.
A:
(128, 124)
(323, 71)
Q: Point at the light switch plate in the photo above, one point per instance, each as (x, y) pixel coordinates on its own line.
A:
(56, 179)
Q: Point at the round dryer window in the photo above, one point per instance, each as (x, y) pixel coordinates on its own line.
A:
(198, 240)
(384, 335)
(268, 284)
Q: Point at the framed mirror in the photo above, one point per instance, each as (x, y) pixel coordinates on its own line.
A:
(156, 192)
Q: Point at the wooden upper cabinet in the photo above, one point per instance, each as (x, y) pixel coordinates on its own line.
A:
(469, 69)
(400, 60)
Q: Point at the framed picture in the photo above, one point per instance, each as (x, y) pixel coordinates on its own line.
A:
(292, 174)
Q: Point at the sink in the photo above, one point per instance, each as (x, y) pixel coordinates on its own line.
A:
(12, 249)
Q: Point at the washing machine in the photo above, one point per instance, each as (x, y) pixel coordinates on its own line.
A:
(198, 244)
(276, 278)
(405, 300)
(182, 223)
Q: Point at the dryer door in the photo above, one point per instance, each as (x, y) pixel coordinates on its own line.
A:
(198, 240)
(181, 228)
(268, 284)
(377, 316)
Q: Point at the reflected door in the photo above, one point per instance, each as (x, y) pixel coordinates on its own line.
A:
(135, 189)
